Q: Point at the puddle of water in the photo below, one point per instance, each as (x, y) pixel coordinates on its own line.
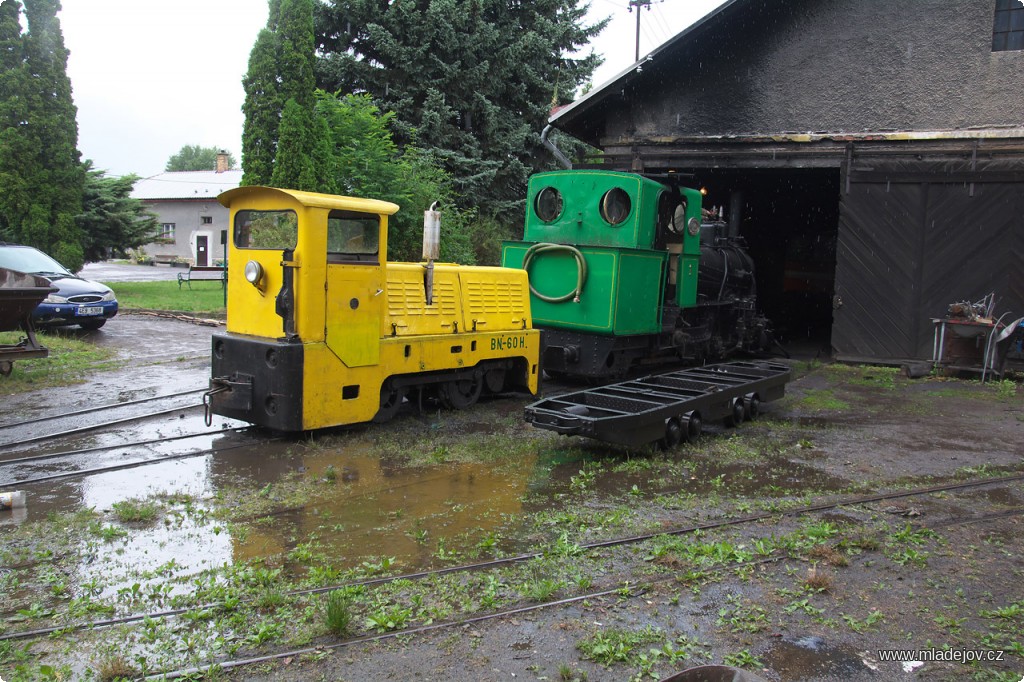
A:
(384, 508)
(812, 658)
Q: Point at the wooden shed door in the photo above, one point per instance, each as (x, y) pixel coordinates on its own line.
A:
(907, 248)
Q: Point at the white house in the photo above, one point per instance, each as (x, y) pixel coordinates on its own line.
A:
(194, 225)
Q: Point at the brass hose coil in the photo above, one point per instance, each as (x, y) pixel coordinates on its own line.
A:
(581, 270)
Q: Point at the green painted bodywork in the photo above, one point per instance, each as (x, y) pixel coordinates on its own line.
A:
(622, 294)
(627, 263)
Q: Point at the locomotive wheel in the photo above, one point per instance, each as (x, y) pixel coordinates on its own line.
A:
(460, 393)
(751, 407)
(736, 413)
(390, 403)
(675, 433)
(495, 380)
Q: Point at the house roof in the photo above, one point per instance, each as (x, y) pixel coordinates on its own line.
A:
(573, 117)
(200, 185)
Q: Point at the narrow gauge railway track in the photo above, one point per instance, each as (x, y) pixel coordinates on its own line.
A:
(69, 454)
(97, 408)
(26, 433)
(522, 558)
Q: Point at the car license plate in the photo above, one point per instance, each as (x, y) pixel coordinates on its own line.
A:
(95, 310)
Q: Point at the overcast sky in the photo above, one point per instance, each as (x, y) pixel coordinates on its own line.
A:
(150, 76)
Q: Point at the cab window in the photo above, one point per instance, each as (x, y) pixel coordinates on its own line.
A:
(615, 206)
(353, 237)
(272, 230)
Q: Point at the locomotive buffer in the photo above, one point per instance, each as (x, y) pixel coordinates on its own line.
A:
(664, 408)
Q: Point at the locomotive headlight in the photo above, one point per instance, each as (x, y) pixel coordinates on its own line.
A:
(253, 273)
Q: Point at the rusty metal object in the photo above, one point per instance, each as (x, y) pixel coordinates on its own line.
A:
(20, 293)
(714, 673)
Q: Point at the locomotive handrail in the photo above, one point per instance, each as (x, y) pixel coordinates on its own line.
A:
(581, 270)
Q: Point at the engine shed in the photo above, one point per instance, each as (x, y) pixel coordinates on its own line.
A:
(871, 153)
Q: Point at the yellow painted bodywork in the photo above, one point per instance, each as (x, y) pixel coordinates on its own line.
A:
(360, 323)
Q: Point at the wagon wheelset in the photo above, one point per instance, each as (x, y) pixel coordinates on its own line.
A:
(747, 408)
(751, 406)
(681, 429)
(737, 413)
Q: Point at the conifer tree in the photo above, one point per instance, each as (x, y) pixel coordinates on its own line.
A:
(282, 142)
(111, 220)
(475, 78)
(15, 149)
(39, 158)
(58, 174)
(262, 109)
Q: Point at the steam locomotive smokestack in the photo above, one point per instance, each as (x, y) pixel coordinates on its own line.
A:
(735, 213)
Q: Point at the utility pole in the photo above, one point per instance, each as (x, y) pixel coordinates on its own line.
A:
(638, 4)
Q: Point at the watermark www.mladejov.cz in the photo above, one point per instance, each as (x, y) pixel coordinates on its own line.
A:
(944, 655)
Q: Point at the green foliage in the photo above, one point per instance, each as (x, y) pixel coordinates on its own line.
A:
(68, 362)
(196, 158)
(40, 172)
(262, 109)
(111, 220)
(293, 165)
(473, 79)
(367, 162)
(616, 645)
(282, 142)
(135, 511)
(338, 612)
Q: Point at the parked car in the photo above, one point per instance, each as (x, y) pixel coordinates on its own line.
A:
(77, 301)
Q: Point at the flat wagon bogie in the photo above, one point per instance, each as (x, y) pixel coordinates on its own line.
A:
(667, 408)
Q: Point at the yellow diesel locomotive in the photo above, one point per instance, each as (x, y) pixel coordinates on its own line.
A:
(323, 331)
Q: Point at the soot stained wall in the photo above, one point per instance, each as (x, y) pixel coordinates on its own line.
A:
(826, 66)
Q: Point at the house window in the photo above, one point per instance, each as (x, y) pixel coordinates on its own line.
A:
(207, 220)
(167, 231)
(1008, 29)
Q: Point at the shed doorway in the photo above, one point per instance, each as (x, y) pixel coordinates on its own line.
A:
(790, 220)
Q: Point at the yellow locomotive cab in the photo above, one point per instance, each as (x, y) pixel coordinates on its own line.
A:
(323, 331)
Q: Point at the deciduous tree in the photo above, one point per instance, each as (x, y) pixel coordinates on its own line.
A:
(368, 163)
(196, 158)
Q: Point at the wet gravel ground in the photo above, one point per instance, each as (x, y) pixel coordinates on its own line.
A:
(939, 570)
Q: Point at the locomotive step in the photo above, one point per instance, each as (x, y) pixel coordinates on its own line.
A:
(667, 408)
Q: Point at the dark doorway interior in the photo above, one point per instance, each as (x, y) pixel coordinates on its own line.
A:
(202, 253)
(790, 219)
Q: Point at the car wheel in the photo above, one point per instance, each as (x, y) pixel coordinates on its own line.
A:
(92, 324)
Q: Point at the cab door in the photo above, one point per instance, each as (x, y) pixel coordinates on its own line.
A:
(355, 287)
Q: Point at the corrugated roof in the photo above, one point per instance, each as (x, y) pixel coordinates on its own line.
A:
(186, 185)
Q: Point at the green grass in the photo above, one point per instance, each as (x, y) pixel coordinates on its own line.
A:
(69, 361)
(205, 298)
